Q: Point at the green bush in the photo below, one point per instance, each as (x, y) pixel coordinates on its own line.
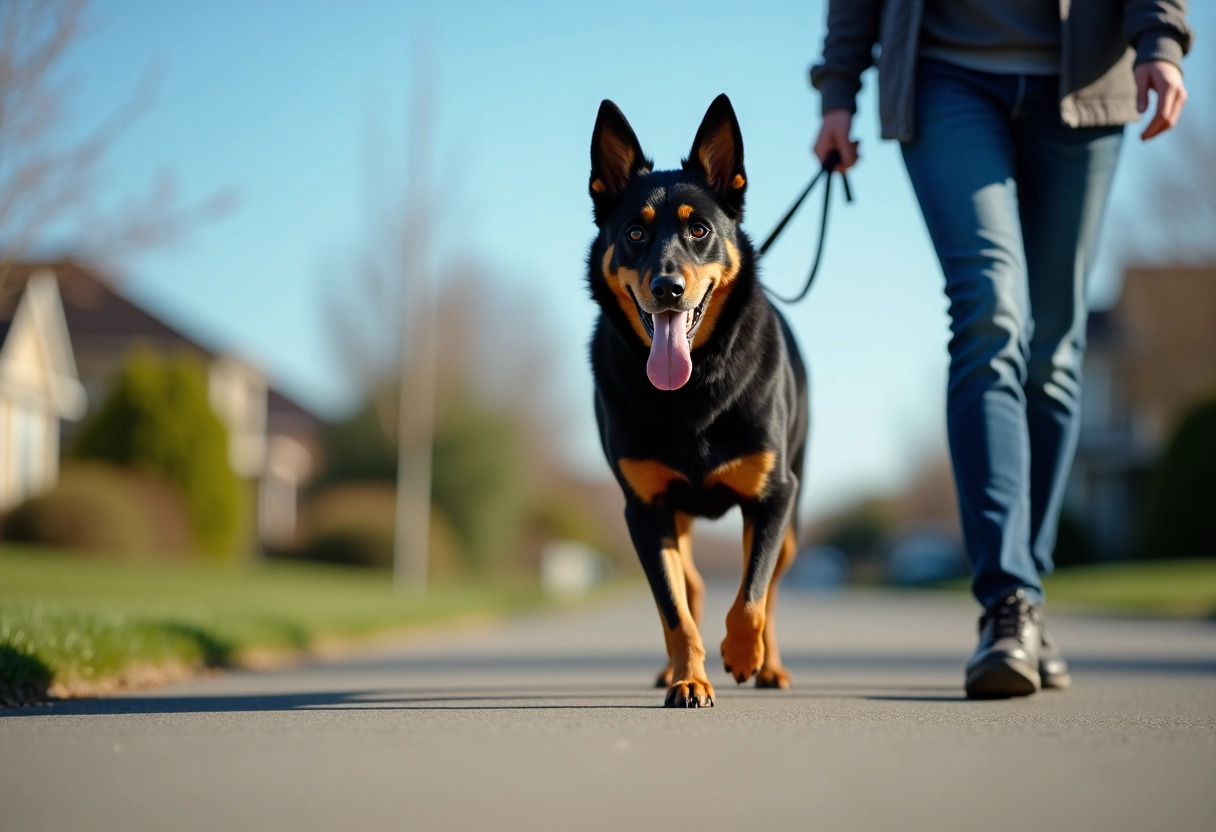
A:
(157, 419)
(863, 531)
(349, 524)
(479, 482)
(561, 516)
(357, 449)
(1073, 546)
(1182, 496)
(478, 479)
(103, 509)
(354, 525)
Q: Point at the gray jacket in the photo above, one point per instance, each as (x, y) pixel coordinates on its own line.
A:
(1100, 42)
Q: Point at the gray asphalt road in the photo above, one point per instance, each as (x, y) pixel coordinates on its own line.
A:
(548, 723)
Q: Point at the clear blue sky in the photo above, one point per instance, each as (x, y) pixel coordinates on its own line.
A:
(277, 98)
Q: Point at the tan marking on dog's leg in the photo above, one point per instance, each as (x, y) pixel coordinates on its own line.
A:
(690, 687)
(694, 585)
(772, 673)
(693, 582)
(663, 680)
(743, 647)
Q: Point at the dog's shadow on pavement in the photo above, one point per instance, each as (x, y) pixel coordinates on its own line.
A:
(957, 698)
(614, 695)
(468, 698)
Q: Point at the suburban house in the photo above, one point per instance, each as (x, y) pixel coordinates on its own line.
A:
(39, 387)
(89, 328)
(1151, 357)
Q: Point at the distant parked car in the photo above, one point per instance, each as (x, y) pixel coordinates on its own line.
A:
(569, 569)
(819, 567)
(925, 557)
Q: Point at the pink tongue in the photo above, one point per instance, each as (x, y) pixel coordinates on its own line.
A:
(669, 365)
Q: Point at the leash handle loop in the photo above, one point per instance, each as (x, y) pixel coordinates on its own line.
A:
(829, 167)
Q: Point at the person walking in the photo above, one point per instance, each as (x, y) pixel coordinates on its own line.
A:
(1010, 117)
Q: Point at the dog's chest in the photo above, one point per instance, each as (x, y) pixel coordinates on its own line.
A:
(708, 490)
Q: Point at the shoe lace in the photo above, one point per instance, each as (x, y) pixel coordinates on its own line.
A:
(1009, 618)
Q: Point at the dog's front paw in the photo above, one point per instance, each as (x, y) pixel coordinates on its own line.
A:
(773, 676)
(742, 657)
(691, 693)
(743, 647)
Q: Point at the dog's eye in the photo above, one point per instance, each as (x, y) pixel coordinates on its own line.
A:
(698, 230)
(636, 233)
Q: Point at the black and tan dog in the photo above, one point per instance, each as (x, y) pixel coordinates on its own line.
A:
(700, 391)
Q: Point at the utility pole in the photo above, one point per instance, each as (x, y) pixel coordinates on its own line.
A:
(416, 431)
(416, 374)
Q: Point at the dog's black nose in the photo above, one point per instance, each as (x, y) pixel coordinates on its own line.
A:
(667, 287)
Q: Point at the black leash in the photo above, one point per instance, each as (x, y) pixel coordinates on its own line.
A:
(829, 167)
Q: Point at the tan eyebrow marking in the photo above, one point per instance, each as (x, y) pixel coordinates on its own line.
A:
(648, 212)
(684, 212)
(738, 182)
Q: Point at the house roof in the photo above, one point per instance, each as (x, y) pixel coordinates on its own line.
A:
(93, 310)
(100, 317)
(285, 415)
(1169, 343)
(36, 358)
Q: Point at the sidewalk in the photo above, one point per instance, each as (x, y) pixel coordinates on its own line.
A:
(550, 723)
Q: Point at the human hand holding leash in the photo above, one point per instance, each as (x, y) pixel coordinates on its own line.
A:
(834, 135)
(1163, 78)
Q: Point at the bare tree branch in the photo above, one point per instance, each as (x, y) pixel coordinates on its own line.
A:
(49, 174)
(1176, 221)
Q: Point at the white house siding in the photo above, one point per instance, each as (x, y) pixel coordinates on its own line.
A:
(238, 396)
(29, 451)
(8, 474)
(288, 463)
(38, 387)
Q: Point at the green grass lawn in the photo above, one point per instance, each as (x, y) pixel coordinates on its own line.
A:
(1178, 588)
(72, 624)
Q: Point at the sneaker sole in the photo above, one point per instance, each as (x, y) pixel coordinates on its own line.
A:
(1002, 678)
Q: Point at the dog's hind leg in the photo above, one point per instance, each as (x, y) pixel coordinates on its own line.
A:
(772, 673)
(694, 585)
(655, 537)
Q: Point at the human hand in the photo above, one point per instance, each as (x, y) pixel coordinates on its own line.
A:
(834, 135)
(1165, 79)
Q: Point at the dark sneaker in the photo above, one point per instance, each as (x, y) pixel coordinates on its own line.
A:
(1006, 663)
(1053, 670)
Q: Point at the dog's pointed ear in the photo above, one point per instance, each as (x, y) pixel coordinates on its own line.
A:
(717, 152)
(616, 157)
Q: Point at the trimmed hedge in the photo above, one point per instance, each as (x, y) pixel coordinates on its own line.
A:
(103, 509)
(354, 525)
(481, 482)
(157, 418)
(1180, 520)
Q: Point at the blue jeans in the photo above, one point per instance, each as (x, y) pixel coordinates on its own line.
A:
(1013, 200)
